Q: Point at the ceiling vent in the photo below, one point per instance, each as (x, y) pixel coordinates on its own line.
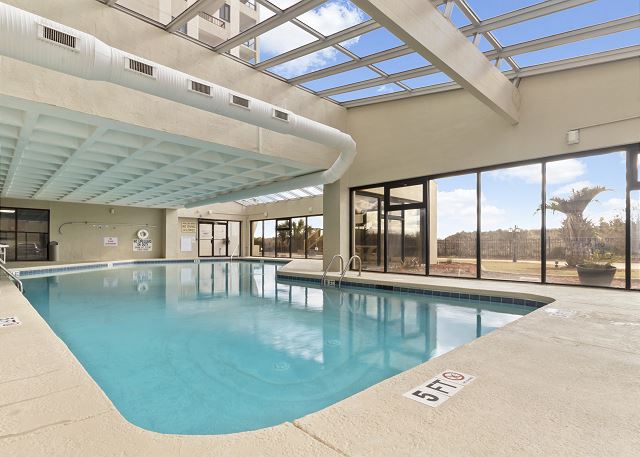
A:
(58, 37)
(281, 115)
(141, 67)
(200, 88)
(239, 101)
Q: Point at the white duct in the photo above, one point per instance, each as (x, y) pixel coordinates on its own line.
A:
(30, 38)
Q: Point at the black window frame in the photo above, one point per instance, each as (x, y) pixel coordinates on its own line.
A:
(633, 183)
(15, 232)
(277, 220)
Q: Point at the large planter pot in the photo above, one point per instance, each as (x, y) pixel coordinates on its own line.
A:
(596, 275)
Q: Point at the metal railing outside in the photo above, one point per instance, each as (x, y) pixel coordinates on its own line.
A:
(214, 20)
(249, 3)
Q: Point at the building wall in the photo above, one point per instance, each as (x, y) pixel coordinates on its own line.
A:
(85, 242)
(453, 131)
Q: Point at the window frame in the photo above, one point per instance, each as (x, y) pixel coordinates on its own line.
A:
(15, 231)
(633, 183)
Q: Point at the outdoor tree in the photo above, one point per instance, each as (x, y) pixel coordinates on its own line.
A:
(577, 231)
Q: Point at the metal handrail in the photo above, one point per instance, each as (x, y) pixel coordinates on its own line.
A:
(13, 278)
(344, 272)
(326, 270)
(214, 20)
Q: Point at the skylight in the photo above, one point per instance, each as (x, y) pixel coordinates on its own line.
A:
(334, 49)
(281, 196)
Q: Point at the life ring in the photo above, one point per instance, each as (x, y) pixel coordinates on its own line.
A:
(143, 234)
(143, 287)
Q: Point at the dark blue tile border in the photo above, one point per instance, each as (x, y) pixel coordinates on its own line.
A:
(412, 290)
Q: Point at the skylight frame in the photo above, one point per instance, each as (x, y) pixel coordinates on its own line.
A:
(476, 28)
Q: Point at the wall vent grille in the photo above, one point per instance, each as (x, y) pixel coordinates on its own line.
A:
(58, 37)
(240, 101)
(140, 67)
(283, 116)
(201, 88)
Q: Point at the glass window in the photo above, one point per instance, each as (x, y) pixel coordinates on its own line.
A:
(406, 195)
(454, 222)
(32, 220)
(635, 239)
(9, 239)
(283, 238)
(233, 228)
(586, 227)
(225, 12)
(406, 242)
(315, 231)
(298, 234)
(269, 244)
(368, 205)
(511, 223)
(26, 232)
(256, 238)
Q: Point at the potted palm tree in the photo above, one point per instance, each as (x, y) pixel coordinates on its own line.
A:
(578, 232)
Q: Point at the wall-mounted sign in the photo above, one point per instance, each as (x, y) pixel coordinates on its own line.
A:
(436, 391)
(189, 227)
(111, 241)
(142, 245)
(9, 322)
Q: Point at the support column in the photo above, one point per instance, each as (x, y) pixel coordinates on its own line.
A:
(336, 222)
(171, 234)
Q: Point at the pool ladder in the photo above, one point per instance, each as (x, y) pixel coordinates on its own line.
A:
(343, 268)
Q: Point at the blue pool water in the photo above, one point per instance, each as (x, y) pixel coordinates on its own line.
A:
(222, 347)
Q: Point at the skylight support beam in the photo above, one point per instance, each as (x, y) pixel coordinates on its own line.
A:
(192, 12)
(262, 27)
(331, 40)
(421, 26)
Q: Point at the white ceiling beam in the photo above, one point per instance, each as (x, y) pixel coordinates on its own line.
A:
(29, 124)
(423, 28)
(279, 18)
(88, 142)
(192, 11)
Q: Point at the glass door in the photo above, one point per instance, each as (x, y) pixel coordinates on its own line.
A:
(220, 239)
(205, 239)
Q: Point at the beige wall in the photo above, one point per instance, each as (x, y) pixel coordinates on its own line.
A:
(453, 131)
(80, 242)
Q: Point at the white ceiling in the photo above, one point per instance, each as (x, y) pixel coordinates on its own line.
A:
(50, 153)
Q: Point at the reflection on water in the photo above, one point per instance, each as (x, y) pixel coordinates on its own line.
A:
(225, 347)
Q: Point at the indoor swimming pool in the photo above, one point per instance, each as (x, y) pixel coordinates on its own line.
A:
(220, 347)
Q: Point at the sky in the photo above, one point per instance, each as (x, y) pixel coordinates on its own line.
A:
(336, 15)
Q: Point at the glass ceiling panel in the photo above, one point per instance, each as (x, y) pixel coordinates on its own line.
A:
(311, 62)
(582, 16)
(580, 48)
(281, 39)
(458, 18)
(370, 43)
(368, 92)
(347, 77)
(486, 9)
(286, 195)
(484, 44)
(333, 16)
(403, 63)
(425, 81)
(284, 4)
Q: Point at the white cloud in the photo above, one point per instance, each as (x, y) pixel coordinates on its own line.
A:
(607, 209)
(326, 19)
(531, 174)
(567, 188)
(564, 171)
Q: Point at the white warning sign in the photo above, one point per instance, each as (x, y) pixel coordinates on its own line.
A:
(9, 322)
(440, 388)
(142, 245)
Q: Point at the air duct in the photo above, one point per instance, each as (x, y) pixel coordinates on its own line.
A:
(30, 38)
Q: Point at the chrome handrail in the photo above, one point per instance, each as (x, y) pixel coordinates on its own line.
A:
(13, 278)
(326, 270)
(344, 272)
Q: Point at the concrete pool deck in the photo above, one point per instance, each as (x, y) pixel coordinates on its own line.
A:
(562, 381)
